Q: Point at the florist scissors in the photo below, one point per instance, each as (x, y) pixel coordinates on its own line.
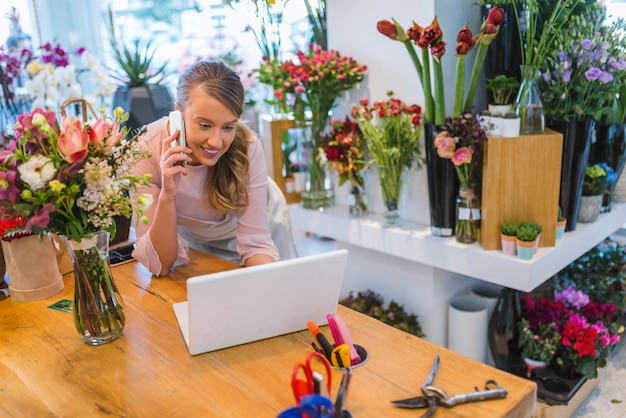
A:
(316, 369)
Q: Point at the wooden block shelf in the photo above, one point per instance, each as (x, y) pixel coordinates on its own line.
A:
(521, 181)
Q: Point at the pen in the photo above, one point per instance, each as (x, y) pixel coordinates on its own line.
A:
(321, 339)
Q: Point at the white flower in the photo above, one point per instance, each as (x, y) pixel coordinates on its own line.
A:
(37, 171)
(145, 200)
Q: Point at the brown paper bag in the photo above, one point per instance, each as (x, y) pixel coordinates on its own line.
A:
(32, 268)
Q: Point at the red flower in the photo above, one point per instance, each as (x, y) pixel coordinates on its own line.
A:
(496, 16)
(388, 29)
(438, 50)
(431, 34)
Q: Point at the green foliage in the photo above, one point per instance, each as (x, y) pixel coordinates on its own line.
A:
(594, 182)
(372, 304)
(600, 273)
(502, 87)
(135, 63)
(528, 231)
(509, 229)
(538, 345)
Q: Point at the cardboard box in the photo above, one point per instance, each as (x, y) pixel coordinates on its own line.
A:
(544, 410)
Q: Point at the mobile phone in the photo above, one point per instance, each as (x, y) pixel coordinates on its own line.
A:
(176, 122)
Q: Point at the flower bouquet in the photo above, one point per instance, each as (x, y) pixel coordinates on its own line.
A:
(574, 333)
(316, 81)
(71, 179)
(431, 38)
(461, 142)
(391, 130)
(345, 149)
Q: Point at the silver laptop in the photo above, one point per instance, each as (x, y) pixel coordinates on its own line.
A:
(252, 303)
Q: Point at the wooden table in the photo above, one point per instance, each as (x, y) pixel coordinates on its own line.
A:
(45, 369)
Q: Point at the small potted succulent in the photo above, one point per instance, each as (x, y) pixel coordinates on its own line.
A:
(595, 184)
(508, 234)
(527, 239)
(561, 221)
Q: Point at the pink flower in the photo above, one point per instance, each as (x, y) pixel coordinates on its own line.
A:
(73, 141)
(445, 144)
(462, 156)
(106, 134)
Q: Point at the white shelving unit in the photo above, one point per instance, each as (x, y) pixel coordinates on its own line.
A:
(422, 272)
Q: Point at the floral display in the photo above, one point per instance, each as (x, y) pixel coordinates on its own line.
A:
(345, 150)
(581, 78)
(70, 178)
(11, 224)
(391, 129)
(430, 40)
(569, 330)
(597, 178)
(462, 141)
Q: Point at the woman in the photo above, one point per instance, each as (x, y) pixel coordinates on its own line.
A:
(211, 194)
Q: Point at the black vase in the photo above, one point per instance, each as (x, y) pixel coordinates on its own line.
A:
(502, 330)
(504, 55)
(143, 104)
(609, 147)
(577, 135)
(443, 187)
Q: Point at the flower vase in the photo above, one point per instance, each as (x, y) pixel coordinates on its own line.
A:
(502, 331)
(577, 136)
(610, 148)
(528, 104)
(357, 200)
(443, 187)
(468, 216)
(31, 266)
(98, 307)
(391, 185)
(318, 193)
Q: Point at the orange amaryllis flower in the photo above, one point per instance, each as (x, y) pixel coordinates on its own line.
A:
(106, 134)
(73, 141)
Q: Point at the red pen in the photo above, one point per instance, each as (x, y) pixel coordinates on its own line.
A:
(321, 339)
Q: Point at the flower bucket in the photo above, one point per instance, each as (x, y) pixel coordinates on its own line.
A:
(525, 249)
(32, 268)
(508, 244)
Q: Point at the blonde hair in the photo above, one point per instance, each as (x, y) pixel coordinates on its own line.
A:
(226, 182)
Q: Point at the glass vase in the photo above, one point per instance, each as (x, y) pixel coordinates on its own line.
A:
(528, 104)
(98, 307)
(357, 200)
(391, 186)
(467, 215)
(318, 193)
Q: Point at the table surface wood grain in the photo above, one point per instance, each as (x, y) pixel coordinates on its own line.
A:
(46, 370)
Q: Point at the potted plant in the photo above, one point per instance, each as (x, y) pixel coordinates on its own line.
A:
(508, 234)
(594, 186)
(560, 224)
(526, 239)
(142, 93)
(537, 346)
(502, 88)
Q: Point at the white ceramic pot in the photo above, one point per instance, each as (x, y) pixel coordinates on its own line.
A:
(509, 128)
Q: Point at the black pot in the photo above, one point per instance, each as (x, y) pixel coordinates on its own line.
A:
(443, 187)
(144, 104)
(577, 135)
(609, 147)
(504, 55)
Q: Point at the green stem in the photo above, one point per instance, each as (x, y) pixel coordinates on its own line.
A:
(416, 62)
(459, 86)
(440, 100)
(476, 69)
(429, 106)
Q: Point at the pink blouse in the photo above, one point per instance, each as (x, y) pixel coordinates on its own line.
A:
(235, 235)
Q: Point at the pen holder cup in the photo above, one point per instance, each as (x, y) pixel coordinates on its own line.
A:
(362, 352)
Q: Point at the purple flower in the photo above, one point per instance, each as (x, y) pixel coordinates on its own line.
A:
(605, 77)
(587, 44)
(619, 65)
(593, 73)
(567, 75)
(571, 297)
(546, 76)
(561, 56)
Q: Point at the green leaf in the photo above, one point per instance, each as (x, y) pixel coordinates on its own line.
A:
(615, 401)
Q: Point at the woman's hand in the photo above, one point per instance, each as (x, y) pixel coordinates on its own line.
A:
(174, 160)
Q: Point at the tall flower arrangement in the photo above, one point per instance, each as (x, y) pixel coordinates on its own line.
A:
(391, 129)
(429, 41)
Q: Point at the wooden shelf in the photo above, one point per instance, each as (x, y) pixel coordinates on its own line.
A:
(415, 243)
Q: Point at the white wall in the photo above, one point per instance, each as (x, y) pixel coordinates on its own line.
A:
(352, 31)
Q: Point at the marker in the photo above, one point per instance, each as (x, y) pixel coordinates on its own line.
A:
(322, 341)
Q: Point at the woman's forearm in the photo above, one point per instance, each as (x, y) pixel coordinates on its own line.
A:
(163, 233)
